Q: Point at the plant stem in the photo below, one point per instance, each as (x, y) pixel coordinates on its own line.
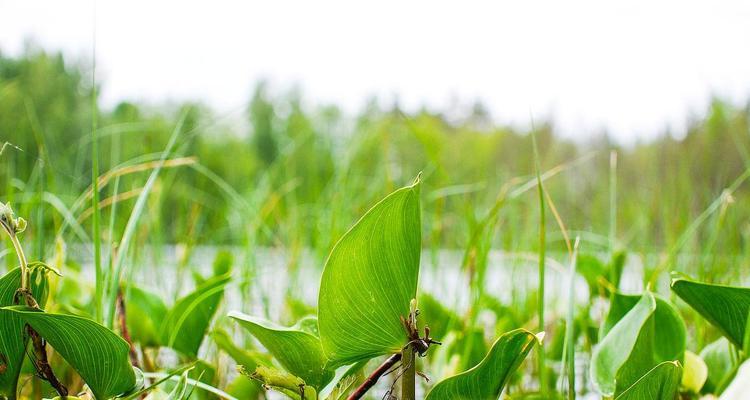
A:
(569, 352)
(22, 261)
(541, 272)
(373, 378)
(409, 374)
(95, 228)
(612, 200)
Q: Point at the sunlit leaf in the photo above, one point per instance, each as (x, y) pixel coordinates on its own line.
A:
(98, 355)
(725, 307)
(12, 343)
(187, 322)
(486, 380)
(370, 279)
(661, 383)
(297, 349)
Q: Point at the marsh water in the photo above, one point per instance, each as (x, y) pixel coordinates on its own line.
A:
(263, 280)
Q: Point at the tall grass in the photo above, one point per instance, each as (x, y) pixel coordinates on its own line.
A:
(542, 259)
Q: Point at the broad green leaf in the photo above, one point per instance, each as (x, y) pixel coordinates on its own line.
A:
(670, 333)
(145, 313)
(248, 358)
(243, 388)
(297, 350)
(661, 383)
(718, 358)
(187, 322)
(99, 355)
(370, 279)
(639, 333)
(12, 343)
(487, 379)
(614, 350)
(725, 307)
(695, 372)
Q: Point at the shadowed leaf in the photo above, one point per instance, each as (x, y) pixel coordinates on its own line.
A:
(187, 322)
(297, 350)
(725, 307)
(12, 343)
(99, 355)
(145, 313)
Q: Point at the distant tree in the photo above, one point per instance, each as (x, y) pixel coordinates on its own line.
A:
(262, 116)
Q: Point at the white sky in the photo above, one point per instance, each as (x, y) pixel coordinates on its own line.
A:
(633, 66)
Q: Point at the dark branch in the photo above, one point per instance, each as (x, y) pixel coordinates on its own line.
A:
(373, 378)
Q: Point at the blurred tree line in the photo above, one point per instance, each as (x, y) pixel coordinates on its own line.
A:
(297, 176)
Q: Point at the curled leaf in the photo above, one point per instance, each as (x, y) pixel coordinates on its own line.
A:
(488, 378)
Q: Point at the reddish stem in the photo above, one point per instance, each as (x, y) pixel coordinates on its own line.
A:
(373, 378)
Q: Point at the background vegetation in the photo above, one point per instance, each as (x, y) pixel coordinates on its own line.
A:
(296, 177)
(293, 163)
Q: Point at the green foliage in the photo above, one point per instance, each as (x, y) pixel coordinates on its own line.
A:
(725, 307)
(244, 357)
(661, 383)
(669, 331)
(299, 178)
(601, 277)
(488, 378)
(181, 390)
(440, 319)
(187, 322)
(99, 355)
(13, 338)
(636, 338)
(718, 358)
(297, 349)
(145, 313)
(370, 279)
(283, 382)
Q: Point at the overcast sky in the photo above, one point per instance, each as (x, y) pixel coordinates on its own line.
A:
(634, 67)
